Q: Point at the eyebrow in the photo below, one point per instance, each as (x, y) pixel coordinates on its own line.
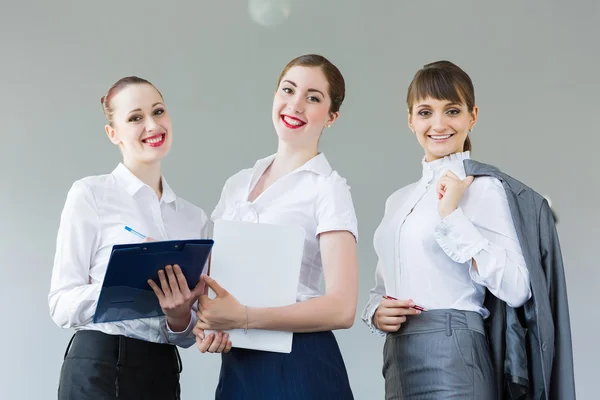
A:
(309, 90)
(445, 105)
(139, 109)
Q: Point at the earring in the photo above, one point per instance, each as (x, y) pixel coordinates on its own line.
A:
(470, 130)
(329, 125)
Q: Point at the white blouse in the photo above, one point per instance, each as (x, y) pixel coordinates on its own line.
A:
(429, 259)
(93, 219)
(313, 196)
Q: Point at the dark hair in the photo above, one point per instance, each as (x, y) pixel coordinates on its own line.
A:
(442, 80)
(335, 79)
(115, 89)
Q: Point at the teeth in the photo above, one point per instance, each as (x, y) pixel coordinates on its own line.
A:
(294, 122)
(155, 140)
(440, 137)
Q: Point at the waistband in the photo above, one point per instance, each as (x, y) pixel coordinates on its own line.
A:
(124, 351)
(442, 320)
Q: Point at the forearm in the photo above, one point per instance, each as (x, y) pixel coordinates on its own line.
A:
(503, 273)
(75, 306)
(318, 314)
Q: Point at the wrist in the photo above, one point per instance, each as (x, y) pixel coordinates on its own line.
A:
(242, 320)
(179, 323)
(444, 212)
(250, 318)
(374, 319)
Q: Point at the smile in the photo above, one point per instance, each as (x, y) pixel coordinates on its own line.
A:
(440, 138)
(291, 122)
(156, 140)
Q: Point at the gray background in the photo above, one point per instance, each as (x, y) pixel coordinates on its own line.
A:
(535, 68)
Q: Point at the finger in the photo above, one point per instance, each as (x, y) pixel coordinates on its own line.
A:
(199, 289)
(181, 281)
(204, 344)
(172, 280)
(219, 291)
(468, 180)
(203, 301)
(398, 303)
(201, 319)
(223, 344)
(149, 239)
(228, 347)
(383, 321)
(441, 185)
(203, 325)
(389, 328)
(157, 291)
(397, 312)
(163, 283)
(216, 343)
(198, 331)
(451, 175)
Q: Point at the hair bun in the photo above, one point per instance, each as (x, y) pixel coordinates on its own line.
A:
(102, 100)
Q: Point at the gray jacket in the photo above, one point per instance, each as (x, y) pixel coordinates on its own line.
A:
(531, 345)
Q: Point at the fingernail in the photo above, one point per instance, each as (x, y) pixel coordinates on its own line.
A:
(411, 303)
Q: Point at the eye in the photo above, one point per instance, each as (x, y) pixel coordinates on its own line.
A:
(424, 113)
(453, 111)
(287, 90)
(135, 118)
(314, 99)
(159, 111)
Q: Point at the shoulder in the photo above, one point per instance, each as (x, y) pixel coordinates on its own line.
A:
(333, 189)
(488, 185)
(90, 186)
(334, 182)
(191, 211)
(239, 179)
(399, 196)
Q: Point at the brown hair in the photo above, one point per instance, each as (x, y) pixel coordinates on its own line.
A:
(335, 79)
(442, 80)
(115, 89)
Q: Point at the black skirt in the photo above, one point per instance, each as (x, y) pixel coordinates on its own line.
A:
(101, 366)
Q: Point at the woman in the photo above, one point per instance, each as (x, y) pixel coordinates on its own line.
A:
(134, 359)
(295, 184)
(443, 242)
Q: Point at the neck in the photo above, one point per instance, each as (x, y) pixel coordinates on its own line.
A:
(149, 173)
(289, 158)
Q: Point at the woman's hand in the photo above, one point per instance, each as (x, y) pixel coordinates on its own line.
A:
(221, 313)
(450, 189)
(175, 297)
(216, 342)
(391, 314)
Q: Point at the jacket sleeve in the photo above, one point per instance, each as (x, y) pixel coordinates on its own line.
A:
(562, 382)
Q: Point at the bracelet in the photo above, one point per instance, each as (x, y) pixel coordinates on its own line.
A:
(246, 312)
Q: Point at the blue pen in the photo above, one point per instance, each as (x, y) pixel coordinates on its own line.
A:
(136, 233)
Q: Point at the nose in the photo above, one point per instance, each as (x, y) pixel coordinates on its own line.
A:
(439, 123)
(296, 103)
(151, 125)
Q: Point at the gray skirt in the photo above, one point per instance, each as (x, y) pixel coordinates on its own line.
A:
(439, 354)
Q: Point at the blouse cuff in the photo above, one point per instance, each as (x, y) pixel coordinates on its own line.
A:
(173, 336)
(367, 318)
(458, 237)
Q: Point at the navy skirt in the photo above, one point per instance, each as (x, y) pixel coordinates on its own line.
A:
(314, 370)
